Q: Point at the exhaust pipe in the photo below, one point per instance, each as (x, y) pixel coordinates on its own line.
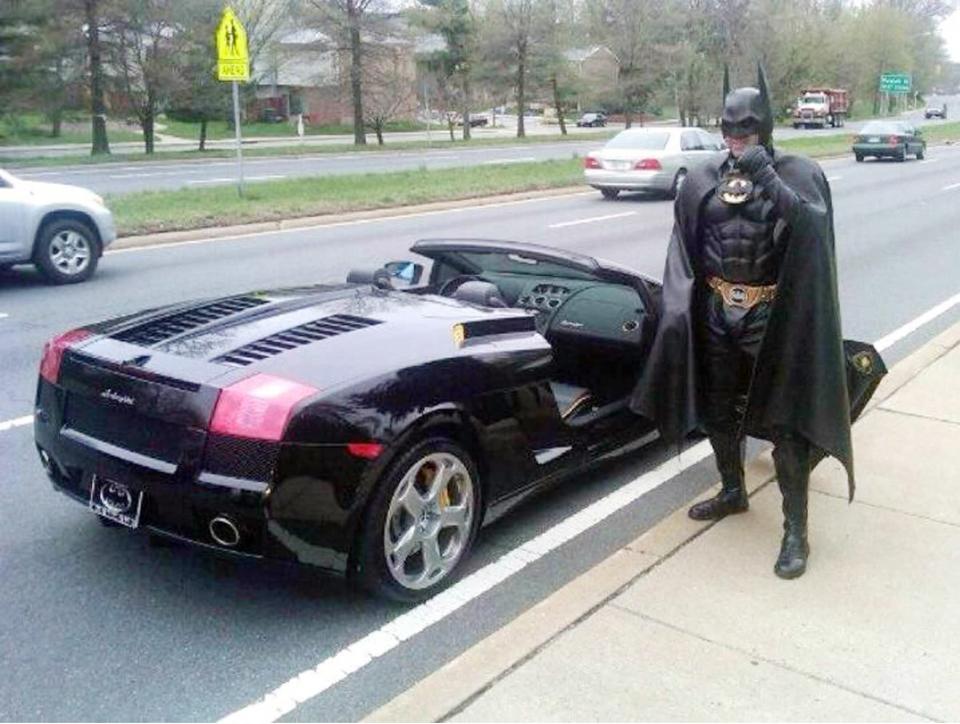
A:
(224, 531)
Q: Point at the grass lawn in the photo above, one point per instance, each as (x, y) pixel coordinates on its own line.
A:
(271, 200)
(218, 130)
(34, 130)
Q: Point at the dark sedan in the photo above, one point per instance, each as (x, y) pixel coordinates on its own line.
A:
(363, 428)
(889, 139)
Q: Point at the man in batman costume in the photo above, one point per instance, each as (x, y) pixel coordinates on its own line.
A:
(749, 338)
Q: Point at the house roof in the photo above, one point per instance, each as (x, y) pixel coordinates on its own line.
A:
(578, 55)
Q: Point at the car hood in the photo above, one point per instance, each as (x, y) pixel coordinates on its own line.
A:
(323, 336)
(58, 192)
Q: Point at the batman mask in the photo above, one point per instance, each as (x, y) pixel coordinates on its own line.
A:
(747, 110)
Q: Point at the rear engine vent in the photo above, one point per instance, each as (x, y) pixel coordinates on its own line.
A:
(158, 330)
(295, 337)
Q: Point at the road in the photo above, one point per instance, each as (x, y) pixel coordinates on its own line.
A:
(99, 625)
(150, 176)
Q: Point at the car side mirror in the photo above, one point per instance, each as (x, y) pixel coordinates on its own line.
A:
(408, 273)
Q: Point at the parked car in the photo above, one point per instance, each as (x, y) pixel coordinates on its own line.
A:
(367, 429)
(889, 139)
(61, 229)
(476, 119)
(935, 112)
(648, 159)
(592, 120)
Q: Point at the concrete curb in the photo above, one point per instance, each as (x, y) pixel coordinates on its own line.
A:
(455, 685)
(306, 222)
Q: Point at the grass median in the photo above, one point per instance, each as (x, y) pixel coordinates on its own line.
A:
(156, 211)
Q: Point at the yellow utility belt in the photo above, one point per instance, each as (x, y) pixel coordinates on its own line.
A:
(742, 295)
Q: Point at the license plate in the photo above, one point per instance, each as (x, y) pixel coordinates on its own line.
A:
(115, 501)
(618, 165)
(873, 139)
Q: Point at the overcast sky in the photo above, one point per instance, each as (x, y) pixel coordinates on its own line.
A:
(950, 30)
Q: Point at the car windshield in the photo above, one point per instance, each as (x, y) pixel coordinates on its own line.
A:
(813, 99)
(642, 139)
(881, 127)
(516, 263)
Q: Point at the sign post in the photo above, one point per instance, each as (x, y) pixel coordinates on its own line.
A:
(233, 65)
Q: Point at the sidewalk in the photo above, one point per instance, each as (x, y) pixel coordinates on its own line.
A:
(689, 622)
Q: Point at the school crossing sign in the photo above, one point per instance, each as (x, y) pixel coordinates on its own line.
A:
(233, 60)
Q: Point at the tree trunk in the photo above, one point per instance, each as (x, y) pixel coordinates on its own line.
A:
(465, 109)
(521, 89)
(98, 105)
(356, 86)
(203, 134)
(450, 128)
(56, 119)
(378, 127)
(147, 124)
(558, 105)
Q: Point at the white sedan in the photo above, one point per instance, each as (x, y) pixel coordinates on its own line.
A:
(61, 229)
(648, 159)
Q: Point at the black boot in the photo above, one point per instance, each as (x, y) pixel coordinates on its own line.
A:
(792, 459)
(733, 496)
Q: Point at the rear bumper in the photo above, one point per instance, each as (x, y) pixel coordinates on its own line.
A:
(878, 150)
(306, 513)
(629, 180)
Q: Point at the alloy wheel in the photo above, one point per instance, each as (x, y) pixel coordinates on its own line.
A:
(70, 252)
(429, 521)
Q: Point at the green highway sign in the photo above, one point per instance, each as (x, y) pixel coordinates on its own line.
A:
(895, 82)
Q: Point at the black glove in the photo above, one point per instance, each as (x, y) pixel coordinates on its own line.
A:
(754, 160)
(756, 163)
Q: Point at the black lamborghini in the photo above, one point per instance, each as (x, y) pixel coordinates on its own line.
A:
(367, 428)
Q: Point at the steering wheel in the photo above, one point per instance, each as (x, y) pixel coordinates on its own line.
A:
(451, 285)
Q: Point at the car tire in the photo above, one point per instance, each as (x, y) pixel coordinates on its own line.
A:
(67, 251)
(859, 157)
(902, 155)
(407, 505)
(677, 183)
(610, 193)
(920, 153)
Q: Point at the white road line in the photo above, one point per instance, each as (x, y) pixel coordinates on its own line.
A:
(591, 220)
(910, 327)
(525, 159)
(3, 315)
(313, 682)
(355, 222)
(834, 178)
(951, 187)
(15, 422)
(141, 174)
(234, 178)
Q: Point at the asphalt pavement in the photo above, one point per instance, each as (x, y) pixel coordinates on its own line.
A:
(100, 625)
(122, 178)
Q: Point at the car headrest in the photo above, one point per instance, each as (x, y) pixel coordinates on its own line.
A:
(484, 294)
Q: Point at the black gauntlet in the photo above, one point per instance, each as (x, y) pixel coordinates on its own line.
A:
(757, 164)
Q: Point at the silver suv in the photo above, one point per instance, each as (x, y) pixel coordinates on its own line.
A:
(61, 229)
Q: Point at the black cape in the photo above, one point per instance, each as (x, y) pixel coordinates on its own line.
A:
(799, 381)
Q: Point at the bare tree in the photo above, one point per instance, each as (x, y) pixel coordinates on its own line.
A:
(98, 103)
(388, 88)
(348, 21)
(146, 43)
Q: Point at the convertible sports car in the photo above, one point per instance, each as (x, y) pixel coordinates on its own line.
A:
(367, 428)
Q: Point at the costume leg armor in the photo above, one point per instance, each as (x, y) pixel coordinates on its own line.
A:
(732, 498)
(791, 456)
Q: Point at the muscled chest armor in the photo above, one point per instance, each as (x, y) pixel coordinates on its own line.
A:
(738, 241)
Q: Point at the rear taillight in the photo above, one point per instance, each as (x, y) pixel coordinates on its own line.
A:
(648, 164)
(365, 450)
(53, 353)
(591, 162)
(258, 407)
(894, 140)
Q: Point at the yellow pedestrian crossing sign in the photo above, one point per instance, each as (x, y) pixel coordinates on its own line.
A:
(233, 61)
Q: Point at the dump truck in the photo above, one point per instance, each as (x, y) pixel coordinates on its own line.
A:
(820, 107)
